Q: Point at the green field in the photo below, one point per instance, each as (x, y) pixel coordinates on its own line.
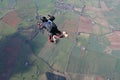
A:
(113, 16)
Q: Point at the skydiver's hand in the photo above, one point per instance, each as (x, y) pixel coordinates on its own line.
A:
(49, 15)
(39, 25)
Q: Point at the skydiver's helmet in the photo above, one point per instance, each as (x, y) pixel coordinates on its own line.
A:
(43, 19)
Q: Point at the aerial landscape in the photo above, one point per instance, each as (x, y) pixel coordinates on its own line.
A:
(91, 51)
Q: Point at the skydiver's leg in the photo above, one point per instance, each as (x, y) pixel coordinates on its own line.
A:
(57, 32)
(50, 38)
(61, 34)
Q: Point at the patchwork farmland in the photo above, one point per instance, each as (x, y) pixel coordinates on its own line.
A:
(91, 52)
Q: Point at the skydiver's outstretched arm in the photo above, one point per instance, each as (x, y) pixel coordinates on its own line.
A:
(52, 18)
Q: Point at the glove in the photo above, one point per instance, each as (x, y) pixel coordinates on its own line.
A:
(40, 25)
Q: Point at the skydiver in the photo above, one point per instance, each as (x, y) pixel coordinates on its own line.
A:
(50, 26)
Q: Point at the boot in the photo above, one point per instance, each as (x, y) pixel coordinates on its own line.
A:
(55, 38)
(65, 34)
